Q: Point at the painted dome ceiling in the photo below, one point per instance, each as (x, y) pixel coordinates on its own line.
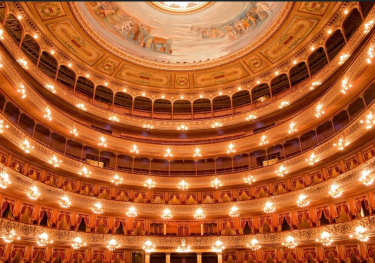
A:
(188, 32)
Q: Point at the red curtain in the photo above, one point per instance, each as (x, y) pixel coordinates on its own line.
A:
(231, 223)
(287, 218)
(323, 210)
(86, 218)
(62, 215)
(78, 253)
(311, 252)
(264, 219)
(249, 222)
(370, 251)
(36, 251)
(253, 256)
(141, 223)
(42, 212)
(352, 249)
(265, 189)
(98, 219)
(116, 255)
(334, 253)
(359, 200)
(98, 254)
(300, 180)
(269, 253)
(291, 253)
(18, 249)
(118, 221)
(7, 202)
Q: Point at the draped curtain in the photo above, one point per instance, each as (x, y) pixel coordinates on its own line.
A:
(58, 253)
(259, 188)
(141, 223)
(352, 249)
(291, 253)
(7, 202)
(253, 256)
(249, 222)
(263, 220)
(116, 255)
(323, 210)
(300, 180)
(310, 252)
(17, 249)
(43, 212)
(86, 219)
(344, 205)
(269, 254)
(287, 218)
(78, 253)
(36, 252)
(98, 254)
(118, 221)
(334, 253)
(225, 223)
(61, 217)
(301, 213)
(365, 202)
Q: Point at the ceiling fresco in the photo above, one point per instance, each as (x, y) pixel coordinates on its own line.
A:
(217, 30)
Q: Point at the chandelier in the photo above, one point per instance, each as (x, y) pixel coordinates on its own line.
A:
(26, 147)
(2, 126)
(335, 192)
(268, 208)
(313, 85)
(22, 90)
(254, 244)
(197, 152)
(11, 237)
(218, 246)
(231, 148)
(370, 53)
(81, 106)
(48, 114)
(74, 132)
(97, 209)
(148, 126)
(369, 121)
(182, 128)
(181, 5)
(263, 140)
(312, 159)
(43, 240)
(345, 85)
(132, 212)
(149, 183)
(302, 201)
(112, 245)
(134, 149)
(34, 193)
(342, 60)
(365, 178)
(183, 185)
(319, 111)
(51, 88)
(291, 128)
(65, 202)
(199, 214)
(102, 142)
(148, 247)
(359, 234)
(54, 161)
(114, 118)
(23, 63)
(283, 104)
(216, 183)
(325, 239)
(78, 243)
(116, 180)
(282, 171)
(168, 154)
(340, 144)
(234, 212)
(85, 172)
(183, 247)
(368, 26)
(249, 179)
(4, 179)
(251, 117)
(290, 242)
(166, 214)
(217, 124)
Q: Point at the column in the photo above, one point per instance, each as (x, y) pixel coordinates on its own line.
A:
(165, 230)
(219, 257)
(199, 257)
(202, 229)
(167, 257)
(147, 257)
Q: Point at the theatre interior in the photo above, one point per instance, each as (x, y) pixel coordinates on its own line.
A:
(187, 132)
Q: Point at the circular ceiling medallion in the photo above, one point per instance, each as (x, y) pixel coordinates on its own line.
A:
(179, 7)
